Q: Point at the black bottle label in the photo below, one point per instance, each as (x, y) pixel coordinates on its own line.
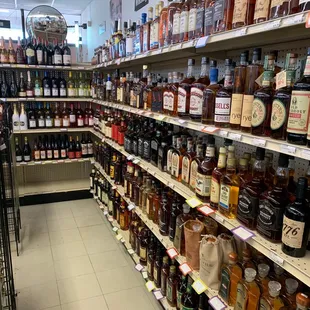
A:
(218, 10)
(225, 285)
(247, 207)
(209, 16)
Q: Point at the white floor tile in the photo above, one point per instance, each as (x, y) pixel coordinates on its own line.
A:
(118, 279)
(34, 226)
(94, 232)
(61, 224)
(32, 212)
(131, 299)
(33, 241)
(67, 250)
(65, 236)
(72, 267)
(95, 303)
(100, 245)
(84, 210)
(39, 297)
(78, 288)
(58, 211)
(89, 220)
(108, 260)
(34, 275)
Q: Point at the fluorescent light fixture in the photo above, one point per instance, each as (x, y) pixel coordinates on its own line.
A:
(4, 11)
(76, 33)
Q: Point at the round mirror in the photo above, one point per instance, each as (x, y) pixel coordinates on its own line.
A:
(46, 23)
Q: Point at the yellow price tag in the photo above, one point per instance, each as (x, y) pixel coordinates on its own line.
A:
(199, 286)
(161, 117)
(119, 237)
(194, 202)
(150, 286)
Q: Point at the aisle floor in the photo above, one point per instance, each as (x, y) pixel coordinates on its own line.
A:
(71, 260)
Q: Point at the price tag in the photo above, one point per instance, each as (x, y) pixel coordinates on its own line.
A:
(110, 218)
(259, 142)
(158, 295)
(199, 286)
(119, 237)
(172, 252)
(234, 136)
(144, 275)
(223, 133)
(194, 202)
(219, 219)
(210, 129)
(38, 162)
(6, 65)
(281, 79)
(139, 267)
(216, 303)
(101, 207)
(182, 121)
(136, 161)
(241, 32)
(243, 233)
(105, 212)
(81, 68)
(273, 25)
(131, 251)
(206, 210)
(185, 268)
(306, 154)
(161, 117)
(131, 206)
(123, 240)
(115, 229)
(114, 187)
(276, 258)
(202, 42)
(22, 99)
(150, 286)
(288, 149)
(130, 157)
(63, 129)
(297, 19)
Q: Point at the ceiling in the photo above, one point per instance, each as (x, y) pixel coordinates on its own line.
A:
(71, 7)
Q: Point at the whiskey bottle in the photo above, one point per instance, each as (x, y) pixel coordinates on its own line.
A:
(223, 14)
(194, 166)
(184, 21)
(164, 214)
(173, 95)
(176, 206)
(302, 301)
(186, 162)
(263, 279)
(176, 160)
(176, 23)
(123, 216)
(281, 101)
(243, 13)
(273, 299)
(164, 275)
(166, 94)
(163, 26)
(262, 103)
(172, 283)
(181, 289)
(171, 22)
(295, 223)
(289, 297)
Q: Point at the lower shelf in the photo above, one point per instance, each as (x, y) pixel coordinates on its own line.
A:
(38, 188)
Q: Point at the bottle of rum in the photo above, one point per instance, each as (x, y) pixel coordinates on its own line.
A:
(273, 299)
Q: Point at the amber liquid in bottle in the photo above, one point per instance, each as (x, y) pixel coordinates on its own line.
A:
(223, 15)
(184, 21)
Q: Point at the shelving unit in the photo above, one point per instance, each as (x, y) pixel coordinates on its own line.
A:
(45, 99)
(82, 66)
(54, 162)
(53, 130)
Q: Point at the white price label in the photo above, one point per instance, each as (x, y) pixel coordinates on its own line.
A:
(38, 162)
(273, 256)
(110, 218)
(234, 136)
(259, 142)
(223, 133)
(139, 267)
(136, 161)
(131, 206)
(172, 252)
(306, 154)
(288, 149)
(119, 237)
(182, 121)
(297, 19)
(273, 25)
(131, 251)
(202, 42)
(144, 275)
(209, 129)
(216, 303)
(185, 269)
(115, 229)
(158, 295)
(130, 157)
(194, 202)
(176, 47)
(243, 233)
(161, 117)
(241, 32)
(105, 212)
(206, 210)
(219, 219)
(63, 129)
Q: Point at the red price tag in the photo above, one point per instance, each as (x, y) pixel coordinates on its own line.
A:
(206, 210)
(185, 269)
(172, 252)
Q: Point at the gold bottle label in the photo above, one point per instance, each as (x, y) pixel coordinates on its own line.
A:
(278, 114)
(215, 191)
(261, 9)
(241, 298)
(142, 252)
(292, 233)
(185, 169)
(258, 112)
(122, 220)
(193, 174)
(298, 118)
(236, 108)
(239, 15)
(246, 116)
(203, 184)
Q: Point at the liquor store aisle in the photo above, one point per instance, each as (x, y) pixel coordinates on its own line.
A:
(71, 260)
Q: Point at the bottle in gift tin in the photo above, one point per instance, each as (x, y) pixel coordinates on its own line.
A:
(261, 11)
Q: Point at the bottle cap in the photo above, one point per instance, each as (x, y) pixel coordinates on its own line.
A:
(213, 63)
(205, 60)
(291, 285)
(228, 62)
(165, 259)
(260, 153)
(186, 208)
(283, 160)
(249, 274)
(278, 269)
(213, 74)
(274, 288)
(303, 300)
(263, 270)
(257, 53)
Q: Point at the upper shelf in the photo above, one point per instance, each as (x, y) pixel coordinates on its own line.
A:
(45, 99)
(45, 67)
(280, 30)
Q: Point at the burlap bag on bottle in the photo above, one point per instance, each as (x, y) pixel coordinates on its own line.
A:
(210, 261)
(227, 243)
(193, 229)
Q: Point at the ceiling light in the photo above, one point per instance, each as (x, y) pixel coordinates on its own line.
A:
(4, 11)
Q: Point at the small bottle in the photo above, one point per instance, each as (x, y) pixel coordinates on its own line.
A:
(302, 301)
(289, 297)
(272, 301)
(172, 282)
(262, 278)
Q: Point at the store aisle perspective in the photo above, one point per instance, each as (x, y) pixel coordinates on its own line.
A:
(71, 260)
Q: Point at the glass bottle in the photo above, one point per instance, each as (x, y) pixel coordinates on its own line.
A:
(262, 278)
(272, 204)
(181, 289)
(26, 151)
(192, 19)
(184, 21)
(200, 17)
(157, 266)
(289, 297)
(261, 11)
(186, 162)
(164, 214)
(171, 21)
(176, 24)
(172, 283)
(151, 255)
(302, 301)
(238, 91)
(149, 201)
(176, 160)
(243, 13)
(147, 31)
(262, 103)
(253, 71)
(175, 207)
(216, 179)
(272, 301)
(209, 95)
(143, 244)
(20, 59)
(296, 217)
(223, 14)
(194, 166)
(173, 95)
(127, 178)
(164, 275)
(163, 26)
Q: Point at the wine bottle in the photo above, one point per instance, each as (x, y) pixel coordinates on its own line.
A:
(12, 53)
(29, 87)
(5, 89)
(38, 90)
(71, 86)
(62, 86)
(39, 52)
(84, 147)
(55, 85)
(49, 54)
(32, 122)
(72, 116)
(20, 59)
(18, 151)
(4, 56)
(22, 88)
(36, 151)
(30, 53)
(26, 151)
(15, 118)
(41, 116)
(80, 116)
(46, 85)
(63, 150)
(90, 151)
(57, 55)
(49, 117)
(71, 151)
(49, 150)
(13, 86)
(55, 147)
(78, 148)
(66, 54)
(23, 119)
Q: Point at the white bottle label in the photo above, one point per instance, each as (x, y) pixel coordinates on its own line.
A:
(58, 59)
(129, 46)
(57, 122)
(39, 56)
(80, 122)
(47, 92)
(32, 123)
(224, 196)
(184, 22)
(72, 118)
(166, 100)
(181, 100)
(91, 122)
(155, 34)
(55, 92)
(67, 60)
(37, 92)
(222, 110)
(41, 122)
(63, 92)
(19, 158)
(81, 92)
(176, 23)
(196, 100)
(26, 157)
(65, 122)
(49, 122)
(71, 92)
(292, 232)
(90, 149)
(192, 19)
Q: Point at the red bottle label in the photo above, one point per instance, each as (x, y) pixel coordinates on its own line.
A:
(113, 132)
(78, 154)
(116, 132)
(71, 154)
(63, 154)
(121, 137)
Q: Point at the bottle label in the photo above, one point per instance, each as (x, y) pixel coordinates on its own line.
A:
(258, 112)
(26, 157)
(37, 92)
(261, 9)
(29, 93)
(176, 23)
(66, 122)
(242, 298)
(248, 205)
(58, 60)
(57, 122)
(47, 92)
(19, 158)
(292, 233)
(84, 149)
(67, 60)
(112, 174)
(185, 169)
(155, 37)
(80, 122)
(225, 285)
(218, 10)
(171, 101)
(40, 56)
(215, 191)
(175, 166)
(129, 46)
(32, 123)
(142, 252)
(49, 122)
(72, 118)
(193, 174)
(37, 155)
(71, 154)
(56, 154)
(81, 92)
(184, 22)
(41, 122)
(196, 99)
(222, 110)
(298, 117)
(181, 100)
(170, 292)
(71, 92)
(4, 58)
(63, 92)
(200, 18)
(278, 114)
(43, 154)
(145, 38)
(192, 19)
(91, 122)
(236, 108)
(30, 52)
(63, 154)
(203, 184)
(240, 9)
(246, 116)
(209, 12)
(90, 150)
(225, 196)
(49, 154)
(55, 92)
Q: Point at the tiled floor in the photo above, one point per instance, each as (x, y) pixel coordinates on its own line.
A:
(71, 260)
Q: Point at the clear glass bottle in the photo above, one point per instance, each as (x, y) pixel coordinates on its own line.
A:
(262, 278)
(272, 301)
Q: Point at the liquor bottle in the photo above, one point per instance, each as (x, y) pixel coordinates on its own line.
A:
(56, 148)
(184, 21)
(175, 24)
(295, 228)
(238, 91)
(273, 299)
(18, 151)
(196, 162)
(146, 190)
(216, 179)
(22, 87)
(297, 125)
(289, 297)
(71, 86)
(186, 162)
(84, 147)
(200, 18)
(80, 116)
(20, 59)
(32, 121)
(38, 90)
(147, 31)
(39, 52)
(172, 282)
(23, 119)
(4, 88)
(11, 52)
(164, 275)
(55, 85)
(173, 95)
(176, 160)
(30, 53)
(243, 13)
(223, 98)
(253, 71)
(262, 103)
(46, 85)
(65, 117)
(26, 151)
(36, 151)
(62, 86)
(204, 175)
(209, 95)
(41, 116)
(71, 150)
(143, 244)
(66, 52)
(42, 149)
(163, 26)
(261, 11)
(272, 204)
(263, 279)
(231, 274)
(13, 87)
(164, 215)
(184, 91)
(49, 117)
(154, 28)
(151, 256)
(223, 15)
(90, 150)
(302, 301)
(248, 205)
(150, 201)
(72, 116)
(57, 55)
(123, 216)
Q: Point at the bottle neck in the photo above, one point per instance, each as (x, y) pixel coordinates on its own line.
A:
(222, 161)
(203, 72)
(190, 71)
